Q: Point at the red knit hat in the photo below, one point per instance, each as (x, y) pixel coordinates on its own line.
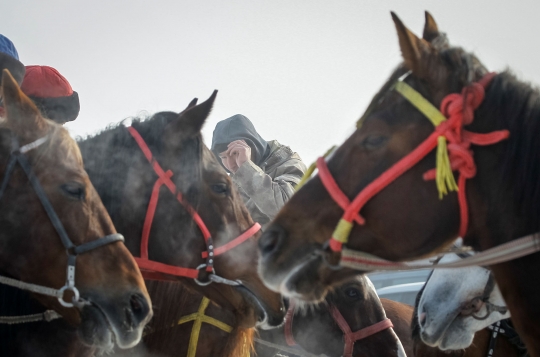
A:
(52, 93)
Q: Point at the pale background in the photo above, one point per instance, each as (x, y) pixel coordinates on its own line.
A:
(302, 70)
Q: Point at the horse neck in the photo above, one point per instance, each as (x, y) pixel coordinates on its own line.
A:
(505, 196)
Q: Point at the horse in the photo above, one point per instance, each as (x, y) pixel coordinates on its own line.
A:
(126, 184)
(191, 230)
(351, 321)
(393, 208)
(456, 303)
(56, 238)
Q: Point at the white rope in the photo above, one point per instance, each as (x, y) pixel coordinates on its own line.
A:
(290, 350)
(505, 252)
(38, 289)
(47, 315)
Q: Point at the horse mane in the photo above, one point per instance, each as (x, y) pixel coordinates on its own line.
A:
(116, 143)
(515, 105)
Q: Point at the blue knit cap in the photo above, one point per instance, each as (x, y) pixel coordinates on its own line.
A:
(8, 47)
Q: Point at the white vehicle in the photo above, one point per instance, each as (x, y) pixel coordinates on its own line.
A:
(405, 293)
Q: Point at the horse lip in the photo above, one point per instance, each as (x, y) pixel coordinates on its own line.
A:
(99, 310)
(263, 317)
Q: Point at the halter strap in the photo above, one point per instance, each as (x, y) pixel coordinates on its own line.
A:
(160, 271)
(18, 156)
(351, 337)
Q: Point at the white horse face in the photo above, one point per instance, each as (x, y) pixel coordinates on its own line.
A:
(445, 294)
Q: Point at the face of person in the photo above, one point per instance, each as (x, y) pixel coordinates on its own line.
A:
(229, 161)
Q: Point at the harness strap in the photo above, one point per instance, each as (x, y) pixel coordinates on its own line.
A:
(351, 337)
(17, 156)
(502, 253)
(199, 317)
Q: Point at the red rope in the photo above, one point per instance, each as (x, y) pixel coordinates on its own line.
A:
(351, 337)
(154, 270)
(459, 109)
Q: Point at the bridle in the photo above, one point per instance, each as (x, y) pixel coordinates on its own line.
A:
(159, 271)
(349, 337)
(469, 308)
(453, 143)
(18, 156)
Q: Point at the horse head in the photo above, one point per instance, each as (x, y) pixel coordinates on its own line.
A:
(378, 193)
(195, 209)
(51, 214)
(456, 303)
(351, 321)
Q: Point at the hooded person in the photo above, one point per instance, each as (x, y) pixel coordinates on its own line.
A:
(52, 93)
(265, 172)
(9, 59)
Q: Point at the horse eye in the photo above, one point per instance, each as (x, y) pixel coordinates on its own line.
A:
(74, 190)
(352, 293)
(373, 142)
(220, 188)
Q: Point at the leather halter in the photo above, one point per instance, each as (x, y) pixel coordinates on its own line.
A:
(457, 110)
(158, 271)
(349, 337)
(72, 250)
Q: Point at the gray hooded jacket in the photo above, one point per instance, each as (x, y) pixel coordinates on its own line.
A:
(266, 181)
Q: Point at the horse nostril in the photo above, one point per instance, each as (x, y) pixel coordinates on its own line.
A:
(270, 241)
(422, 318)
(139, 307)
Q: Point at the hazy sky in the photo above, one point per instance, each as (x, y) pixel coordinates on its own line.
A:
(302, 71)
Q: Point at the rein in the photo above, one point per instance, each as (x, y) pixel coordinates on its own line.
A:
(18, 156)
(349, 337)
(159, 271)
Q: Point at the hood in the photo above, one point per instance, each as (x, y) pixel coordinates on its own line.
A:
(238, 127)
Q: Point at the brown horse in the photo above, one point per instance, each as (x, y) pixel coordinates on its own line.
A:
(499, 188)
(52, 218)
(321, 330)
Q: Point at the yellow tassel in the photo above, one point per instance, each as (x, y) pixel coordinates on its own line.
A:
(342, 231)
(444, 177)
(311, 169)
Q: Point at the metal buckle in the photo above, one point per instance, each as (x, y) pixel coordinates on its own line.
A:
(204, 283)
(75, 299)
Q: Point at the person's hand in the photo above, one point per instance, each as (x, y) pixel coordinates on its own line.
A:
(240, 151)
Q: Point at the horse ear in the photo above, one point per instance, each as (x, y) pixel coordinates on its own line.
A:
(431, 30)
(22, 114)
(414, 50)
(190, 122)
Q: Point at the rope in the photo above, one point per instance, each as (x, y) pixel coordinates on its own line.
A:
(38, 289)
(286, 349)
(47, 315)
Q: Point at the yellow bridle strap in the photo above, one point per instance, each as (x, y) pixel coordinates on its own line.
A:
(199, 317)
(421, 103)
(311, 169)
(444, 180)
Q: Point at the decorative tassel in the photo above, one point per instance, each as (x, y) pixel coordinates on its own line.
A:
(444, 178)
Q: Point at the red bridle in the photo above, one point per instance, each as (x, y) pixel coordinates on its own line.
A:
(159, 271)
(459, 111)
(349, 337)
